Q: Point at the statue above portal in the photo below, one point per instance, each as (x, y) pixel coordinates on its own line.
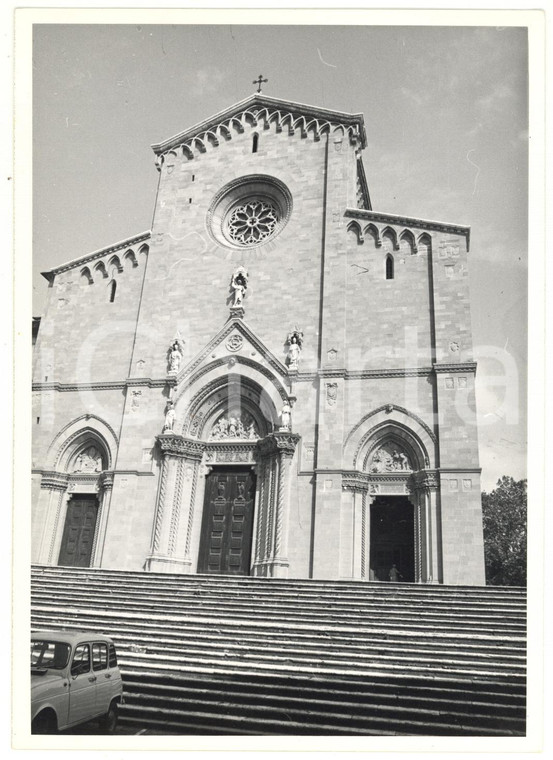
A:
(239, 284)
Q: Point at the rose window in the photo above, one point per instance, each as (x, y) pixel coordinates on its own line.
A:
(252, 222)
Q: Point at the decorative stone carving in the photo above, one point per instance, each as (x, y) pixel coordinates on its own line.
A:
(294, 340)
(175, 355)
(234, 427)
(178, 445)
(89, 460)
(235, 342)
(331, 393)
(388, 458)
(170, 415)
(239, 284)
(285, 417)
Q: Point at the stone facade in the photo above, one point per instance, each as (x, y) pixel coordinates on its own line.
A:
(373, 399)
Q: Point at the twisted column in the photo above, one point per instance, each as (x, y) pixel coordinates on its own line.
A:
(175, 513)
(160, 505)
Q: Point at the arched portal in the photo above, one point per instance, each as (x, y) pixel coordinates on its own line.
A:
(394, 488)
(223, 498)
(75, 494)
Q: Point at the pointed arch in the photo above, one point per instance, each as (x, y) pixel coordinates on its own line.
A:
(86, 277)
(355, 230)
(407, 243)
(100, 267)
(372, 231)
(71, 438)
(389, 266)
(389, 236)
(115, 263)
(424, 243)
(391, 422)
(131, 258)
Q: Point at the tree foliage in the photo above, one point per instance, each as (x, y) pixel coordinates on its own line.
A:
(504, 517)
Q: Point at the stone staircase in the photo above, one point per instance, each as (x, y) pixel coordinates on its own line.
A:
(212, 654)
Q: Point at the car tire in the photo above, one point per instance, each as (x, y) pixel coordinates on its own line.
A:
(109, 720)
(44, 723)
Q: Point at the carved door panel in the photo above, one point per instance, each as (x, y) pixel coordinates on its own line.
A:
(227, 525)
(392, 538)
(78, 534)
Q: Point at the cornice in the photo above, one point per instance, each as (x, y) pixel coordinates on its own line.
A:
(52, 480)
(362, 374)
(295, 115)
(172, 444)
(455, 367)
(408, 221)
(108, 385)
(127, 243)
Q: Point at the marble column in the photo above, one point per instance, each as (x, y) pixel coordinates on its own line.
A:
(53, 489)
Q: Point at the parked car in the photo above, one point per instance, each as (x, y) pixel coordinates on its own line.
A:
(74, 679)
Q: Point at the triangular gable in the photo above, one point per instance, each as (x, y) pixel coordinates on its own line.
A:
(225, 346)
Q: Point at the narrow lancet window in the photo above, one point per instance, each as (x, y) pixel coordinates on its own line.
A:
(389, 267)
(255, 143)
(112, 289)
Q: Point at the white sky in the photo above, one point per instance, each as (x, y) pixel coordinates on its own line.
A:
(446, 119)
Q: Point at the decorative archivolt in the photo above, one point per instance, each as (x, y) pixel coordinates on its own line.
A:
(398, 430)
(87, 437)
(406, 239)
(265, 117)
(113, 265)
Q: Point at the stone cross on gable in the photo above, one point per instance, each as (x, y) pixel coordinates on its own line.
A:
(259, 81)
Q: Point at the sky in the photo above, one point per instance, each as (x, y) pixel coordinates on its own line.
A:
(447, 125)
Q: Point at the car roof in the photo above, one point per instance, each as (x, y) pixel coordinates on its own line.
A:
(70, 637)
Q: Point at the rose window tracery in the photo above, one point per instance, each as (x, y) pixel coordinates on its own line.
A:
(252, 222)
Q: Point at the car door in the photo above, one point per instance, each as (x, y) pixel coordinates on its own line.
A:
(103, 676)
(82, 686)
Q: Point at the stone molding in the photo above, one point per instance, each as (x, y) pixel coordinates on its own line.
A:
(108, 385)
(409, 221)
(261, 108)
(238, 324)
(368, 373)
(352, 480)
(425, 480)
(284, 443)
(54, 481)
(122, 244)
(449, 367)
(389, 408)
(175, 445)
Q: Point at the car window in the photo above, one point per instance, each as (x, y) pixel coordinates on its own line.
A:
(99, 656)
(112, 656)
(81, 660)
(49, 654)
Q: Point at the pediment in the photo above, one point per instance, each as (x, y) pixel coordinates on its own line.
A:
(234, 341)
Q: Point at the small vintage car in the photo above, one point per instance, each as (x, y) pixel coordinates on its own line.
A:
(74, 679)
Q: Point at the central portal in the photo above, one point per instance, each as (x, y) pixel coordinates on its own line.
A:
(227, 523)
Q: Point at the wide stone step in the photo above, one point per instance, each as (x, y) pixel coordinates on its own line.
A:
(153, 634)
(198, 596)
(244, 585)
(268, 721)
(387, 616)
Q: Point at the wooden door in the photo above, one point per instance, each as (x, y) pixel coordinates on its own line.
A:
(227, 524)
(78, 534)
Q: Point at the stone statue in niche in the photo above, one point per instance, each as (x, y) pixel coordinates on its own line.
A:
(175, 355)
(285, 417)
(234, 427)
(170, 415)
(239, 284)
(389, 459)
(89, 460)
(294, 340)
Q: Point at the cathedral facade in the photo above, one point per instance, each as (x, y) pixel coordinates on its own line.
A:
(276, 380)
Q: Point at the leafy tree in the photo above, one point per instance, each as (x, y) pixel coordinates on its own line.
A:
(504, 516)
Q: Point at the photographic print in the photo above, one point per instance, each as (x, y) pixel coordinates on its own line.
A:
(280, 313)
